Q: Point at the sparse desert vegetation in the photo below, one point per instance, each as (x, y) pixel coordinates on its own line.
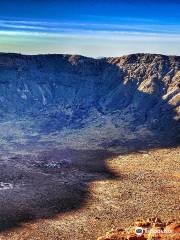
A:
(141, 185)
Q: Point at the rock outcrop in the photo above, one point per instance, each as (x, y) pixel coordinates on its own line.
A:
(149, 229)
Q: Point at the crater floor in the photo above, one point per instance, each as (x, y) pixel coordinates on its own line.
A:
(143, 184)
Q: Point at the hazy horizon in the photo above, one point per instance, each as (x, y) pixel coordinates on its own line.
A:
(90, 28)
(93, 57)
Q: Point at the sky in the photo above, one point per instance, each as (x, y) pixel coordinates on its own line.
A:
(95, 28)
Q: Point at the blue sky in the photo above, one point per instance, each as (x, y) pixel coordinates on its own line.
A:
(92, 28)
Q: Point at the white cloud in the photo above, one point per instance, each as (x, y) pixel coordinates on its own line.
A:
(92, 39)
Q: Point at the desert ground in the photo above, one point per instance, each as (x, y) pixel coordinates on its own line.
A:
(87, 145)
(84, 201)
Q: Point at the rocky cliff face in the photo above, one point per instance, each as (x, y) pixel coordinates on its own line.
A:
(68, 125)
(135, 93)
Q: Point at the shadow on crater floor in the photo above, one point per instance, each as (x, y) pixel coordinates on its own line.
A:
(57, 181)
